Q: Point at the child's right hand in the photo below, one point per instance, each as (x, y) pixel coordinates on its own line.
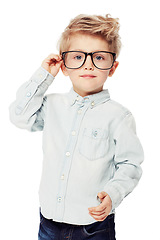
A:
(52, 64)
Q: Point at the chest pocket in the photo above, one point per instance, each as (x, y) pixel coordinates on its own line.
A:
(94, 143)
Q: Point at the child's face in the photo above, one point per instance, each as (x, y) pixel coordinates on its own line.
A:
(88, 79)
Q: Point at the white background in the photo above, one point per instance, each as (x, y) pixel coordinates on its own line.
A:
(29, 33)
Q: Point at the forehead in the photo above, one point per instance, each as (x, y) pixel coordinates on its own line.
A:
(87, 43)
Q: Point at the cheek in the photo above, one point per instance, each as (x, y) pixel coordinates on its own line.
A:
(103, 76)
(105, 73)
(72, 73)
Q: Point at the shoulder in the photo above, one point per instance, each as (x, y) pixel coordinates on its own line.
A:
(119, 117)
(117, 109)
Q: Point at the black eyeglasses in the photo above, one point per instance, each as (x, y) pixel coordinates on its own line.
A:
(101, 59)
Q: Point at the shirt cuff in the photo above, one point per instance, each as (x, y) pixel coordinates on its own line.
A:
(37, 85)
(42, 75)
(115, 195)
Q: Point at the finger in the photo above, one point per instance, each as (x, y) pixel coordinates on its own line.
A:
(55, 56)
(54, 61)
(55, 68)
(52, 56)
(99, 208)
(97, 213)
(99, 218)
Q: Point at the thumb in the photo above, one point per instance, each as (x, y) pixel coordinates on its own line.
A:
(102, 195)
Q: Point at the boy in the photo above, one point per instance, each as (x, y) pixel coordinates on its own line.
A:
(92, 155)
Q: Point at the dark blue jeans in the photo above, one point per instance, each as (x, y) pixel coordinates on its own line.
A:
(50, 230)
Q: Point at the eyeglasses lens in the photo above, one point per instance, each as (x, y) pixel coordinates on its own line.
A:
(74, 59)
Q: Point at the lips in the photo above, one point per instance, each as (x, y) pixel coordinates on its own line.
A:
(88, 76)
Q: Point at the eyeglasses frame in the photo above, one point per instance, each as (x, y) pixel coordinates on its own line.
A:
(90, 54)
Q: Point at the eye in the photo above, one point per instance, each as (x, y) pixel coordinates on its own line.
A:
(98, 57)
(78, 57)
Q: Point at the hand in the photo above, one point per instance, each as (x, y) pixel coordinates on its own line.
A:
(100, 212)
(52, 64)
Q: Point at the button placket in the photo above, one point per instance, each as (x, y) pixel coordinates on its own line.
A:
(67, 161)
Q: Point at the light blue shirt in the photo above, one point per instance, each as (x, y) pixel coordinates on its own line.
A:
(89, 145)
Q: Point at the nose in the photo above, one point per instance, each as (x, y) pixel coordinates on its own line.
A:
(88, 65)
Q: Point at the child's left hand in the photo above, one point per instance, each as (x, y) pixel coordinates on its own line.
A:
(100, 212)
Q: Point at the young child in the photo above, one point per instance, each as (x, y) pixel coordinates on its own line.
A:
(92, 155)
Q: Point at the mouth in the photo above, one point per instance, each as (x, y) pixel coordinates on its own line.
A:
(87, 76)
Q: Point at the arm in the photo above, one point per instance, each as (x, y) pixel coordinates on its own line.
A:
(28, 110)
(127, 160)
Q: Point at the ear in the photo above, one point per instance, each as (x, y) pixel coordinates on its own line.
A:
(113, 69)
(64, 69)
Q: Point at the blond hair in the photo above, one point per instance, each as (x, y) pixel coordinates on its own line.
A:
(105, 27)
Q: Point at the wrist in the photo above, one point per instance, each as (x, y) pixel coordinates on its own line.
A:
(47, 72)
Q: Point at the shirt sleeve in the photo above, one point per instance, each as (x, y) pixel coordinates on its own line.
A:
(28, 110)
(127, 160)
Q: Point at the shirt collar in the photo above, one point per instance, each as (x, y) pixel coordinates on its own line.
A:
(94, 99)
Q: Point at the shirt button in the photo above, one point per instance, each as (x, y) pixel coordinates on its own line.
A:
(92, 103)
(62, 177)
(79, 111)
(59, 199)
(68, 154)
(28, 94)
(73, 133)
(77, 98)
(40, 75)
